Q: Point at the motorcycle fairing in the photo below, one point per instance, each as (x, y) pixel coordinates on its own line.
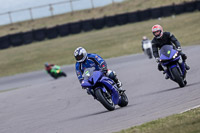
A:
(97, 77)
(108, 83)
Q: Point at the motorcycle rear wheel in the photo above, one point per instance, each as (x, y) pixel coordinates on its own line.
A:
(149, 53)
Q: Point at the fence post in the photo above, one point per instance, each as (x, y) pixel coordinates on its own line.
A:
(31, 14)
(92, 3)
(71, 5)
(10, 17)
(113, 1)
(51, 9)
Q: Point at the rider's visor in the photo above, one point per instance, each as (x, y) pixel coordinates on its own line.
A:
(157, 33)
(79, 57)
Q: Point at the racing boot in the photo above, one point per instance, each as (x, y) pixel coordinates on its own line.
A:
(119, 85)
(166, 76)
(113, 76)
(184, 57)
(187, 67)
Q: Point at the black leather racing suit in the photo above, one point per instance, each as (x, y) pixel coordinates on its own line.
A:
(166, 39)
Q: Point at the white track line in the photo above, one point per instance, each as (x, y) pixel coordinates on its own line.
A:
(191, 108)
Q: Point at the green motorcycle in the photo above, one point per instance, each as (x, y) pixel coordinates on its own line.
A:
(56, 72)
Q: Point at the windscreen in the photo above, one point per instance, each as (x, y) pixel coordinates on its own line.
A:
(166, 50)
(88, 72)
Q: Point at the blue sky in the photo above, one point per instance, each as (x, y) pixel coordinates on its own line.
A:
(10, 5)
(13, 5)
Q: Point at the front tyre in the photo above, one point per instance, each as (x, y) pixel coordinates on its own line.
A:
(178, 77)
(104, 99)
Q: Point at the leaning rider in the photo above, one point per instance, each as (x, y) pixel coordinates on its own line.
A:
(87, 60)
(48, 67)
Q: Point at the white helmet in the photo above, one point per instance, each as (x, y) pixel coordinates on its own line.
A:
(80, 54)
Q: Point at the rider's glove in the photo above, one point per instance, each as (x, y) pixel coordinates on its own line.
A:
(104, 67)
(157, 59)
(179, 49)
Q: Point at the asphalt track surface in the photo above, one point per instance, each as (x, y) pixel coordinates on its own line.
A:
(37, 103)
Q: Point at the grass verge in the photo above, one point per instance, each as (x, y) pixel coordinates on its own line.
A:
(187, 122)
(108, 42)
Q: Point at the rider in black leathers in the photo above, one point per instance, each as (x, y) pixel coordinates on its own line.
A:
(165, 38)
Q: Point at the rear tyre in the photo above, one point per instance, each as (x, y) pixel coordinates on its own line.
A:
(124, 100)
(104, 99)
(178, 77)
(63, 74)
(149, 53)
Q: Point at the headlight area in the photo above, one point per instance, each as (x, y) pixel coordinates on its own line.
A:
(175, 55)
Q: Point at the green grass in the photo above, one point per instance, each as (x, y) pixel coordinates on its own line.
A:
(117, 8)
(108, 42)
(188, 122)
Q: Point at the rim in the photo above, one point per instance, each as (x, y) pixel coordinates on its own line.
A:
(109, 100)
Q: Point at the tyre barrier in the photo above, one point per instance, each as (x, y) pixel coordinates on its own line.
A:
(87, 25)
(75, 27)
(144, 15)
(190, 7)
(52, 32)
(4, 42)
(39, 34)
(197, 5)
(63, 30)
(133, 17)
(178, 9)
(167, 10)
(122, 19)
(98, 23)
(110, 21)
(27, 37)
(16, 39)
(155, 13)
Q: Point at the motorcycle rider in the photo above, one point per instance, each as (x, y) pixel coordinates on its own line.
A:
(48, 67)
(165, 38)
(144, 39)
(87, 60)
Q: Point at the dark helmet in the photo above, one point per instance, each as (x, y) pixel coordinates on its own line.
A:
(46, 64)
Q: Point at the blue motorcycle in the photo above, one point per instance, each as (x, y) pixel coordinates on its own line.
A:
(103, 89)
(170, 59)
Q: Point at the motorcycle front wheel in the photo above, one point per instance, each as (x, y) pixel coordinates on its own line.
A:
(104, 99)
(178, 77)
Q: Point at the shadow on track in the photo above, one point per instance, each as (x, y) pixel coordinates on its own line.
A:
(172, 89)
(101, 112)
(88, 115)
